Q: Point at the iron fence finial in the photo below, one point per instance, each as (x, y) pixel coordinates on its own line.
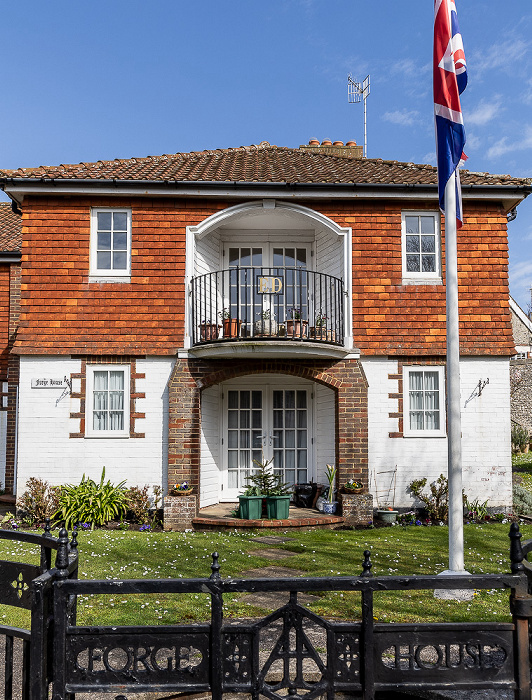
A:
(215, 566)
(61, 560)
(516, 551)
(366, 566)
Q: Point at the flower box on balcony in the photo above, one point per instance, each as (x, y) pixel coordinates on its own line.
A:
(296, 328)
(321, 333)
(209, 331)
(231, 327)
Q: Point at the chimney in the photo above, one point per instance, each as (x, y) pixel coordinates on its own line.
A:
(350, 150)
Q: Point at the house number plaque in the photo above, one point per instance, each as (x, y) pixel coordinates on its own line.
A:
(269, 285)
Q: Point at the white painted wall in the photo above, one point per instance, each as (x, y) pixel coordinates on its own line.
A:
(211, 460)
(45, 449)
(486, 455)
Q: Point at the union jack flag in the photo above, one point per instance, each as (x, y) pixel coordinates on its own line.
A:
(449, 81)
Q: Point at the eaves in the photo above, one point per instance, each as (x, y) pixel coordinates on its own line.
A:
(18, 188)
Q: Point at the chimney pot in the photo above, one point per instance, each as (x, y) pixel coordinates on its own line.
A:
(338, 143)
(314, 142)
(350, 144)
(326, 142)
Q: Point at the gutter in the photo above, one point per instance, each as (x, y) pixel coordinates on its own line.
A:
(17, 188)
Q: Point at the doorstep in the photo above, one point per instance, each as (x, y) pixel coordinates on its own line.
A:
(219, 516)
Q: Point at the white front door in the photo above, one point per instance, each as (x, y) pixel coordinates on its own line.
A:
(265, 423)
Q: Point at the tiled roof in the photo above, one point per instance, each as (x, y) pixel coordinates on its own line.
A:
(10, 229)
(262, 163)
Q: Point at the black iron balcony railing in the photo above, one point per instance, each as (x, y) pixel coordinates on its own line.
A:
(267, 303)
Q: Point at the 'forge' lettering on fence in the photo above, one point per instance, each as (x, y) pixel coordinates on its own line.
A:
(139, 659)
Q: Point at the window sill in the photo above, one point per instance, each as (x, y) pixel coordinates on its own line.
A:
(102, 279)
(425, 434)
(422, 280)
(107, 436)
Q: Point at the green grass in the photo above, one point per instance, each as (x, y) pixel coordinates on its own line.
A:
(522, 465)
(395, 551)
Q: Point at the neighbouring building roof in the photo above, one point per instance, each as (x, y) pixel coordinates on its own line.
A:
(10, 229)
(262, 163)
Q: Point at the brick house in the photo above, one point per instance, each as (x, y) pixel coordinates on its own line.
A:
(197, 311)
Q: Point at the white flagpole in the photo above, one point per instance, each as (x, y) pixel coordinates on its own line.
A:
(454, 428)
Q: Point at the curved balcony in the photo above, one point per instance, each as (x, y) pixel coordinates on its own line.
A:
(278, 305)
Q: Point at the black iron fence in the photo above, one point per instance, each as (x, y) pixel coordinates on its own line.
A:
(266, 303)
(291, 652)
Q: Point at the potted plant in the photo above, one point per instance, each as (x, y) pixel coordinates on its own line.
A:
(387, 514)
(209, 330)
(182, 488)
(296, 327)
(353, 486)
(250, 504)
(275, 492)
(231, 326)
(266, 325)
(330, 505)
(319, 330)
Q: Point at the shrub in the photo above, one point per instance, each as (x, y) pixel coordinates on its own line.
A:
(437, 501)
(91, 502)
(40, 500)
(522, 500)
(138, 502)
(520, 437)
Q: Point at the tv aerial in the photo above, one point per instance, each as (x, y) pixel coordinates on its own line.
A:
(356, 92)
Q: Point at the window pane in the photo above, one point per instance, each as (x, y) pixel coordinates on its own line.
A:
(104, 241)
(427, 244)
(120, 241)
(429, 263)
(411, 223)
(412, 244)
(119, 261)
(232, 399)
(104, 220)
(412, 263)
(120, 221)
(103, 261)
(427, 224)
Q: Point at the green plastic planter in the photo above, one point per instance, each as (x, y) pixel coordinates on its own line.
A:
(277, 507)
(250, 507)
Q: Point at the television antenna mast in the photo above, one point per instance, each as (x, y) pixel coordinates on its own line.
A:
(355, 93)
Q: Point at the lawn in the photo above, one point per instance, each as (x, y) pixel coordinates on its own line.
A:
(395, 551)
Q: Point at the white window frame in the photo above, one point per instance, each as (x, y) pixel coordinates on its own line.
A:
(407, 430)
(422, 277)
(90, 431)
(108, 275)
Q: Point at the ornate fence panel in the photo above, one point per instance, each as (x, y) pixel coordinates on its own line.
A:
(293, 651)
(30, 587)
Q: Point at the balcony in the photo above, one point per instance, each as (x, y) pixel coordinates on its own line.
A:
(264, 305)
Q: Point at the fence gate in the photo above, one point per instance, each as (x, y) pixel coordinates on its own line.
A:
(293, 651)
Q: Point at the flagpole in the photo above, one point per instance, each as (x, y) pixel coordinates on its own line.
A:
(454, 428)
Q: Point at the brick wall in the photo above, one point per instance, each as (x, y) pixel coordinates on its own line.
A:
(62, 312)
(191, 376)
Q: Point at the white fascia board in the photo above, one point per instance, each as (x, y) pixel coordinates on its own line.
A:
(510, 196)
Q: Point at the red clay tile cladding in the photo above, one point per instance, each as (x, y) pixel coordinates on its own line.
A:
(61, 312)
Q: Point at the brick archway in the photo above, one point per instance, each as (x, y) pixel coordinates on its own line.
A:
(190, 377)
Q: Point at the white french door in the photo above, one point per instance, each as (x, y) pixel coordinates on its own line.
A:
(243, 297)
(270, 423)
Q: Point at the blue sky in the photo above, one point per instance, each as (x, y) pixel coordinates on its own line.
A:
(86, 81)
